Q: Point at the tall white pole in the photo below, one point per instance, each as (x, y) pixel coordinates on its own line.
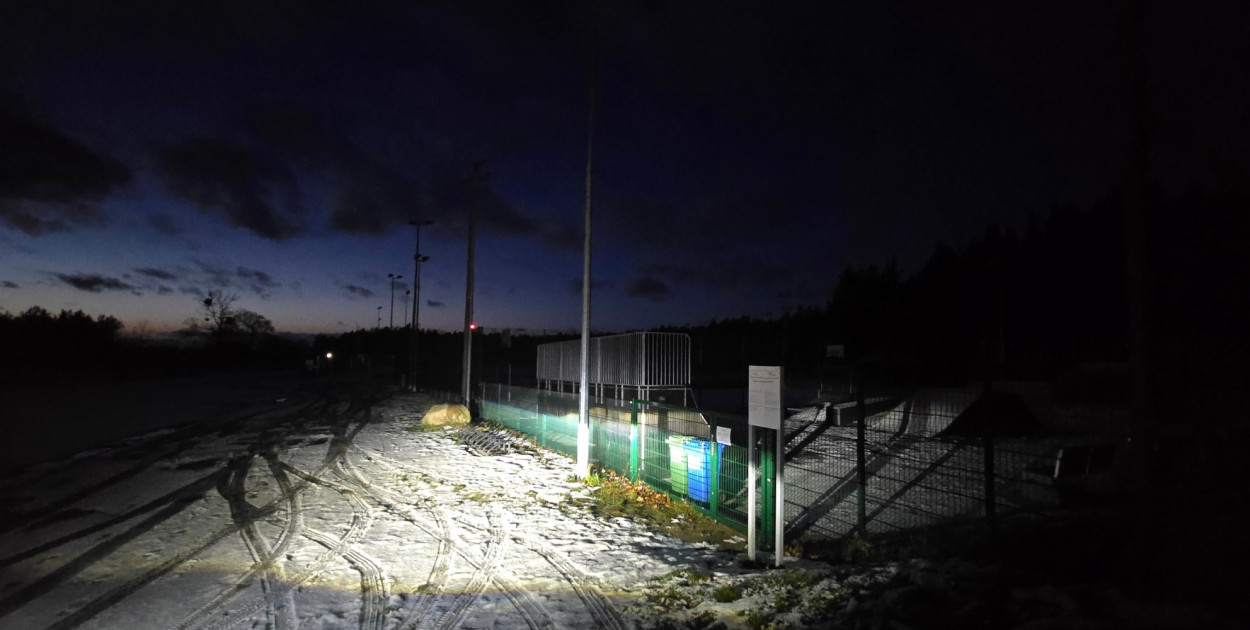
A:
(751, 500)
(583, 406)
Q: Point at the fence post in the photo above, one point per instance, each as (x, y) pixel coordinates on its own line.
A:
(713, 475)
(768, 479)
(861, 466)
(987, 447)
(633, 441)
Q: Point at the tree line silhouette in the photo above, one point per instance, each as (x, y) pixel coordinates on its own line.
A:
(1032, 303)
(40, 346)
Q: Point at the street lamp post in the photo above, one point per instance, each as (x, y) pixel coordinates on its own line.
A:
(393, 277)
(379, 324)
(417, 259)
(405, 322)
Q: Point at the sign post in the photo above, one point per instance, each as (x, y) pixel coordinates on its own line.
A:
(764, 399)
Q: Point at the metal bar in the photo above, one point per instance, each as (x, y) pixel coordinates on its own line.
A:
(861, 467)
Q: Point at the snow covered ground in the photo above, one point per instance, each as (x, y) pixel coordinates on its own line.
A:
(319, 515)
(325, 512)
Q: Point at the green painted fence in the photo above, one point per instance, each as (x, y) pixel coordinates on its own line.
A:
(671, 449)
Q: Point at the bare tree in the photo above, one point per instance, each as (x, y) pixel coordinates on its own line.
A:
(218, 308)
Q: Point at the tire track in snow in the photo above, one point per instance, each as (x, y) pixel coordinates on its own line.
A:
(440, 531)
(361, 521)
(39, 516)
(282, 615)
(606, 615)
(482, 575)
(373, 592)
(530, 608)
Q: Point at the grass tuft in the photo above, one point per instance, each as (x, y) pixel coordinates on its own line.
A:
(616, 497)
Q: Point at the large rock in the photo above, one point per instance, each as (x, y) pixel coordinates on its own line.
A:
(446, 416)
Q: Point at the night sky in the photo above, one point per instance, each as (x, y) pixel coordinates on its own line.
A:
(745, 153)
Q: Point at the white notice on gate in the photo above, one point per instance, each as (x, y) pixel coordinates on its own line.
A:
(722, 435)
(764, 396)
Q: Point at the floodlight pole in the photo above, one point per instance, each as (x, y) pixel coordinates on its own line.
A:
(583, 406)
(417, 259)
(393, 277)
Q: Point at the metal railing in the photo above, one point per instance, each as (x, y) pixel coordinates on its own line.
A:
(637, 361)
(922, 459)
(669, 448)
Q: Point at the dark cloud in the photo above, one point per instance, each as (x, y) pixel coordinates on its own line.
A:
(372, 202)
(358, 291)
(159, 274)
(248, 189)
(446, 199)
(217, 276)
(257, 276)
(94, 283)
(190, 290)
(8, 284)
(434, 304)
(164, 224)
(258, 281)
(647, 288)
(563, 237)
(293, 128)
(575, 285)
(164, 290)
(372, 198)
(48, 181)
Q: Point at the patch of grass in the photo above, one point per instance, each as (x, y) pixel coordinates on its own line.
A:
(702, 620)
(479, 497)
(758, 620)
(694, 577)
(727, 593)
(674, 598)
(421, 428)
(617, 497)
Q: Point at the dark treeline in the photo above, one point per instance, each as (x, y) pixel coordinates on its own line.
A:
(1006, 304)
(40, 346)
(497, 356)
(1022, 304)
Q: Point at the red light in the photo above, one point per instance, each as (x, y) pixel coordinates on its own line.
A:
(472, 326)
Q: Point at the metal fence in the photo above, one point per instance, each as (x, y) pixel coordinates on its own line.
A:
(671, 449)
(627, 364)
(916, 460)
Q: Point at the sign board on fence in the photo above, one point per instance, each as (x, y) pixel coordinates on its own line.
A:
(764, 396)
(722, 435)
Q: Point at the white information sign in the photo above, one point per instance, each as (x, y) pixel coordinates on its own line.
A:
(722, 435)
(764, 396)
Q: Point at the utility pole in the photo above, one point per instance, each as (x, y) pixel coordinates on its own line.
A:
(473, 180)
